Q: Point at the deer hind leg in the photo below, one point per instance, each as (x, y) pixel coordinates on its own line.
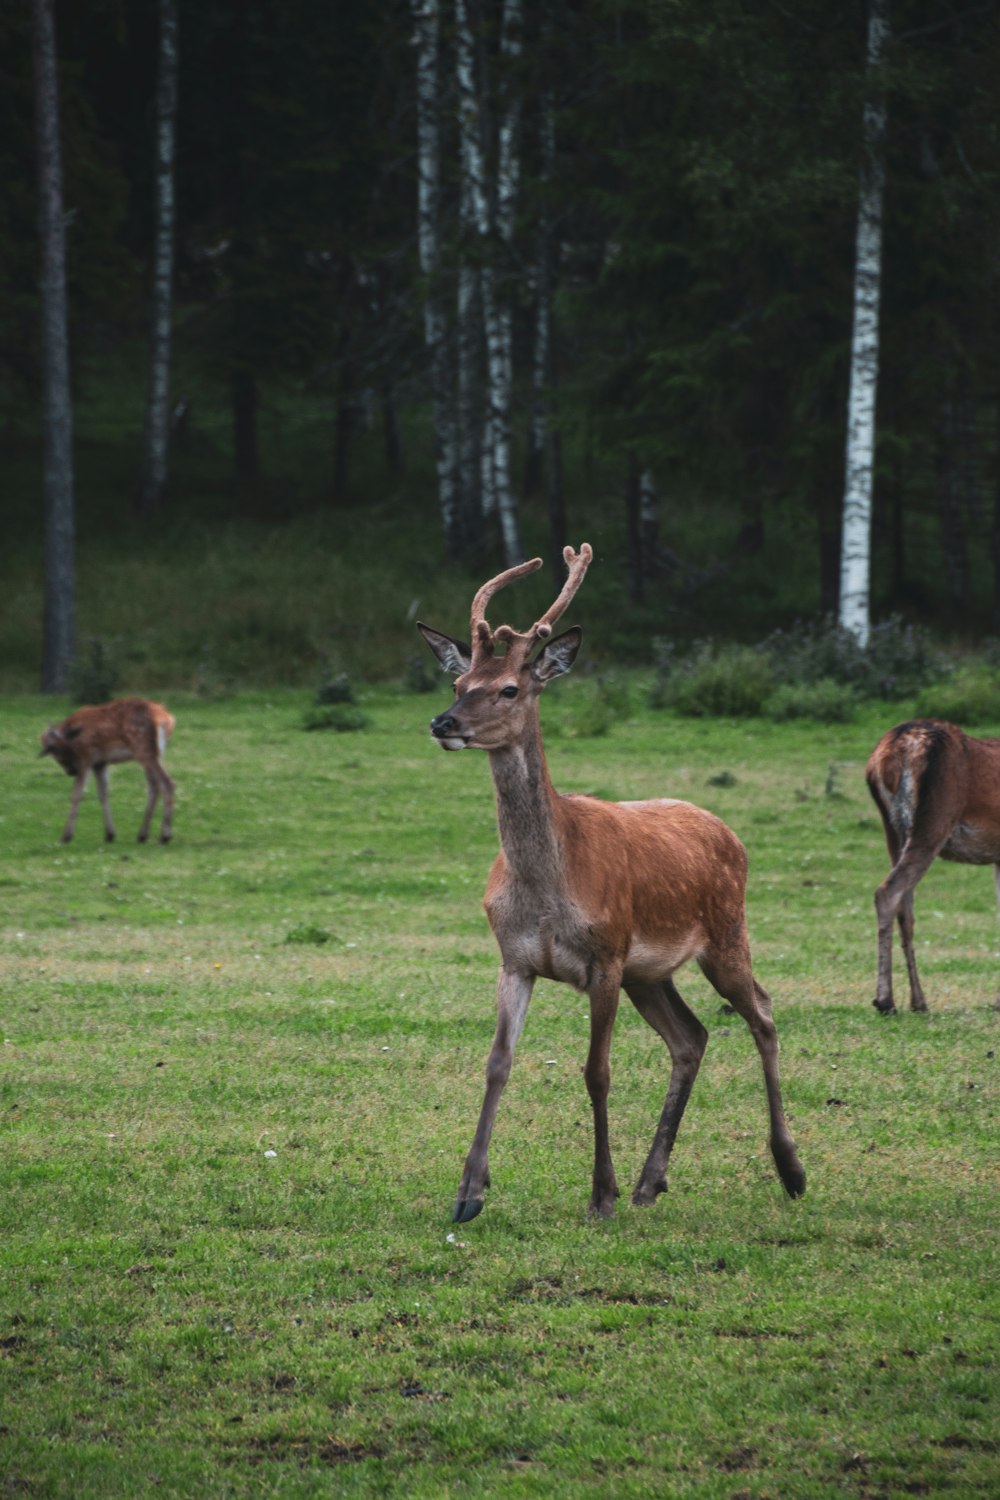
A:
(686, 1038)
(167, 787)
(79, 787)
(597, 1074)
(894, 900)
(513, 997)
(731, 976)
(101, 778)
(152, 792)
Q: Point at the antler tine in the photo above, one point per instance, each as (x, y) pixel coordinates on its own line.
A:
(480, 629)
(577, 563)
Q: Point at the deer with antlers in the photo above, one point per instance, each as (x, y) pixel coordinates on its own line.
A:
(599, 895)
(938, 792)
(94, 738)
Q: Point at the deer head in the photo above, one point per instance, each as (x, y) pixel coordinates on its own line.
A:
(496, 693)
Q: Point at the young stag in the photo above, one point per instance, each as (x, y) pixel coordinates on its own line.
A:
(938, 792)
(92, 739)
(597, 894)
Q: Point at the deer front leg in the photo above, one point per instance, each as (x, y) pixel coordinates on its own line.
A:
(101, 778)
(597, 1073)
(513, 998)
(79, 786)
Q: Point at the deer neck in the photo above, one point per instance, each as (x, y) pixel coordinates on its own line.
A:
(526, 810)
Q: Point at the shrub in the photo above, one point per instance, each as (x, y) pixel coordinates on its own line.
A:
(899, 658)
(309, 932)
(419, 676)
(827, 701)
(335, 689)
(733, 681)
(340, 717)
(970, 696)
(94, 676)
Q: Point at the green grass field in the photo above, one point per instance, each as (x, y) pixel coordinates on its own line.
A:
(240, 1074)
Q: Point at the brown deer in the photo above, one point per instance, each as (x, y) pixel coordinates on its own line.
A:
(597, 894)
(938, 792)
(92, 739)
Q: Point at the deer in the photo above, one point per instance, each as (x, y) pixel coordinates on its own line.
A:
(938, 792)
(598, 895)
(94, 738)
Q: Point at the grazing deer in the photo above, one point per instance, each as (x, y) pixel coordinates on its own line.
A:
(597, 894)
(938, 792)
(92, 739)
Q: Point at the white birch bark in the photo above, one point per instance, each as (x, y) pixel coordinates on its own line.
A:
(501, 344)
(855, 555)
(475, 289)
(59, 588)
(428, 44)
(157, 429)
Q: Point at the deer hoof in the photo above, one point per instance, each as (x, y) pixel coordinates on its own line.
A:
(794, 1179)
(886, 1007)
(466, 1209)
(643, 1197)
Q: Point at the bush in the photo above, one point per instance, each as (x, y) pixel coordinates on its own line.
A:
(970, 696)
(335, 689)
(340, 717)
(731, 681)
(899, 658)
(826, 701)
(94, 676)
(309, 932)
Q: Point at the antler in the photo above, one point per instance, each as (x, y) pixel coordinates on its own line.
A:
(577, 563)
(482, 635)
(485, 639)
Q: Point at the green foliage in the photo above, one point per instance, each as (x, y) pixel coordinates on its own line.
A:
(813, 669)
(340, 717)
(335, 689)
(825, 700)
(309, 932)
(970, 697)
(714, 680)
(95, 674)
(226, 1261)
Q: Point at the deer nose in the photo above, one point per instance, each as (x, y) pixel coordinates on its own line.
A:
(443, 726)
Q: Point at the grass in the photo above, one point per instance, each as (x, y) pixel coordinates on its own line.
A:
(240, 1074)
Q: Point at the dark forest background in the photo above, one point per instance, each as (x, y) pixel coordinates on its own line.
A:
(691, 223)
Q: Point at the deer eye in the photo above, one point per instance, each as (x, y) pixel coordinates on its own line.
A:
(508, 692)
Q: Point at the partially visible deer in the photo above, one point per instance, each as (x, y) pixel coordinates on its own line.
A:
(597, 894)
(92, 739)
(938, 792)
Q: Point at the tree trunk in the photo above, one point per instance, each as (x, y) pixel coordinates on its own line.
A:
(59, 609)
(995, 543)
(428, 43)
(855, 557)
(245, 450)
(472, 318)
(157, 430)
(649, 522)
(502, 364)
(633, 542)
(542, 358)
(954, 545)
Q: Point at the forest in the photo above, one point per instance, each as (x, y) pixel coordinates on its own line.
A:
(427, 287)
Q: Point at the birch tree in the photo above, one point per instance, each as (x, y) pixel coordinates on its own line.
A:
(485, 425)
(157, 429)
(427, 38)
(855, 556)
(59, 607)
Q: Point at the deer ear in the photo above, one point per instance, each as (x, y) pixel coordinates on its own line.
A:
(455, 656)
(558, 656)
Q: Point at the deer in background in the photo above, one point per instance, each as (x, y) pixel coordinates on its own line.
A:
(92, 739)
(938, 792)
(599, 895)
